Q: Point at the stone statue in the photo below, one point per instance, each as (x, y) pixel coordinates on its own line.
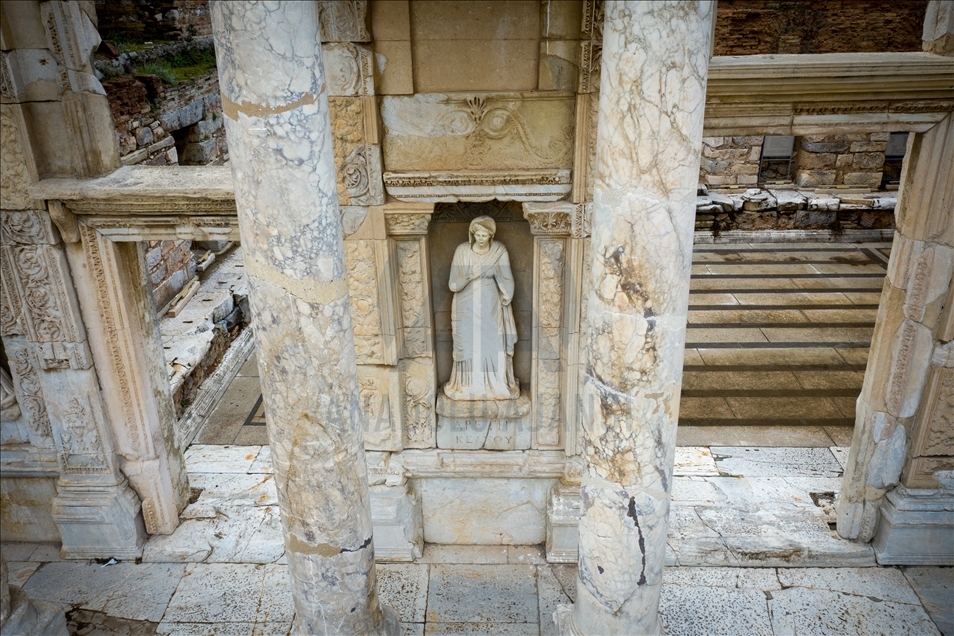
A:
(482, 318)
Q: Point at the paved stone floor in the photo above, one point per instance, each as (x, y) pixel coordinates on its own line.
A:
(777, 346)
(223, 570)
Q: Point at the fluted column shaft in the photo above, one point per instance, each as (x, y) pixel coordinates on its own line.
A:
(652, 98)
(279, 133)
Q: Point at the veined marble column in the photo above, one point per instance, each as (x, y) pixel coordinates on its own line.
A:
(276, 117)
(652, 97)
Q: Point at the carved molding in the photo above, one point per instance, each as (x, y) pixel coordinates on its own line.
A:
(407, 224)
(159, 228)
(591, 46)
(136, 400)
(134, 206)
(343, 20)
(449, 187)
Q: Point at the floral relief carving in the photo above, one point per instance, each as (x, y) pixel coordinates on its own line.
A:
(11, 322)
(550, 309)
(548, 396)
(42, 276)
(407, 224)
(343, 20)
(32, 227)
(365, 313)
(14, 177)
(549, 222)
(411, 281)
(30, 397)
(939, 437)
(358, 162)
(349, 69)
(419, 418)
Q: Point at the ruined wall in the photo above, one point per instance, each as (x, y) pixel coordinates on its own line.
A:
(171, 265)
(162, 124)
(754, 27)
(160, 20)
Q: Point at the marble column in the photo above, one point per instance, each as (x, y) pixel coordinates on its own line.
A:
(276, 118)
(652, 97)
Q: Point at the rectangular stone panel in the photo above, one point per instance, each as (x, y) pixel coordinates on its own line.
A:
(453, 132)
(354, 137)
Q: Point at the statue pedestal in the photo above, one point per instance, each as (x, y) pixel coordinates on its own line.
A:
(483, 424)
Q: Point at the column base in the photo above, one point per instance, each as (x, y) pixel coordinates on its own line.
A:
(563, 524)
(397, 523)
(916, 528)
(33, 617)
(99, 522)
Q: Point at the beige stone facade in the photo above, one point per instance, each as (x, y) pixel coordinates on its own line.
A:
(355, 165)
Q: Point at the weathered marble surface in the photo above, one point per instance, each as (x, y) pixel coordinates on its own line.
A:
(902, 429)
(280, 139)
(652, 98)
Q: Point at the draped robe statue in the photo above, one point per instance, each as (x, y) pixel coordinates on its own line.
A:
(482, 318)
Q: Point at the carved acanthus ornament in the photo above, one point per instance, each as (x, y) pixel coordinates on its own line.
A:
(349, 69)
(407, 224)
(343, 20)
(357, 155)
(549, 222)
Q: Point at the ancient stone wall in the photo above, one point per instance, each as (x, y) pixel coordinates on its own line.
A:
(171, 266)
(141, 20)
(756, 27)
(159, 124)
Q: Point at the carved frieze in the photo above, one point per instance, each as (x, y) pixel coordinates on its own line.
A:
(31, 227)
(343, 20)
(357, 156)
(449, 187)
(166, 228)
(349, 69)
(458, 132)
(50, 308)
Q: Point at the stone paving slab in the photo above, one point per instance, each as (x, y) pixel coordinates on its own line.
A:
(935, 589)
(800, 610)
(463, 593)
(207, 458)
(759, 462)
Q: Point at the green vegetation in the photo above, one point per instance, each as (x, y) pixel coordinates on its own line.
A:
(181, 67)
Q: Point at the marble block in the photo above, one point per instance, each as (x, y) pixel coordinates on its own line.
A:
(563, 525)
(483, 424)
(472, 511)
(916, 528)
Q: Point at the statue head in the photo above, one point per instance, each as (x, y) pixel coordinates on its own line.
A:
(482, 222)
